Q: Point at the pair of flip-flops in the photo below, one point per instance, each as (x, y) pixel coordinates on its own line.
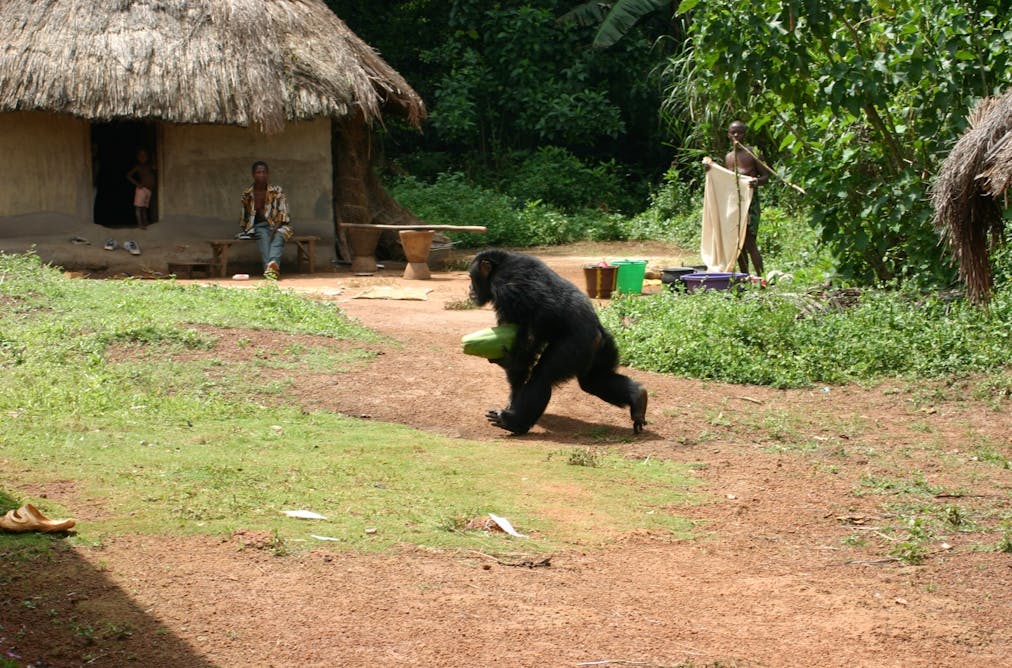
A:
(29, 518)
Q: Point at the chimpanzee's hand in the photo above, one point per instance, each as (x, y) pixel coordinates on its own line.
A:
(506, 361)
(501, 419)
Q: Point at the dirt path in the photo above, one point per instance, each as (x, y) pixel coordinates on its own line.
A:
(776, 576)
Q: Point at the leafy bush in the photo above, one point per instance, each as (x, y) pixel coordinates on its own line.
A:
(1001, 260)
(682, 228)
(453, 200)
(787, 240)
(674, 214)
(758, 338)
(557, 177)
(789, 243)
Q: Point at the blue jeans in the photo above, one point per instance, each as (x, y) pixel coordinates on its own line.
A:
(270, 247)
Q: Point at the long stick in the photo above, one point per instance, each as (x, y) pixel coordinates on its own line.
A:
(451, 228)
(738, 144)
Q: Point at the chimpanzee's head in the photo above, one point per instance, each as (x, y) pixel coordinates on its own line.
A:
(481, 283)
(486, 269)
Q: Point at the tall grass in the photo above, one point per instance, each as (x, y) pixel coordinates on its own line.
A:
(758, 337)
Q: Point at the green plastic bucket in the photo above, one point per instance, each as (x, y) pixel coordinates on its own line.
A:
(630, 276)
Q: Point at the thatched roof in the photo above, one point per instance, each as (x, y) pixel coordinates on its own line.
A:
(969, 193)
(237, 62)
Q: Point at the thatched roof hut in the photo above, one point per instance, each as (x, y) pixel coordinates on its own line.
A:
(970, 193)
(206, 86)
(232, 62)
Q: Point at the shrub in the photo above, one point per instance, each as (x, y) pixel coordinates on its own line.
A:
(453, 200)
(789, 243)
(757, 338)
(555, 176)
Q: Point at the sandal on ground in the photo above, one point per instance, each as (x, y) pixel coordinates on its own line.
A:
(29, 518)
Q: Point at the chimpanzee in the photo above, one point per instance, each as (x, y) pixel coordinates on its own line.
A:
(559, 336)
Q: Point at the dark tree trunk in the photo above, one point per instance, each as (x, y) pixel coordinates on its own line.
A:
(359, 197)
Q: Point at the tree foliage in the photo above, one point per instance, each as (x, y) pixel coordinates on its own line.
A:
(613, 19)
(504, 79)
(862, 99)
(513, 76)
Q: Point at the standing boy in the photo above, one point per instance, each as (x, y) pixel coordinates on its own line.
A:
(742, 160)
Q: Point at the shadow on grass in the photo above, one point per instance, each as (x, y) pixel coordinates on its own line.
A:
(562, 429)
(57, 609)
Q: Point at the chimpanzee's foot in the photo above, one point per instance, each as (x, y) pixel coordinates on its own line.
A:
(638, 410)
(501, 419)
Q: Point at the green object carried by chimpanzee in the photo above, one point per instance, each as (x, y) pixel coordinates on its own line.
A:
(491, 343)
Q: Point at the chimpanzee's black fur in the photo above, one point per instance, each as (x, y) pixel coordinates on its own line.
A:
(559, 337)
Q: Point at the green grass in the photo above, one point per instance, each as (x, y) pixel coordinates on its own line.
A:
(757, 337)
(916, 484)
(113, 393)
(152, 474)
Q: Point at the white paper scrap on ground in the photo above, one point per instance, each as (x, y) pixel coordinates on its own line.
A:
(505, 525)
(304, 514)
(312, 535)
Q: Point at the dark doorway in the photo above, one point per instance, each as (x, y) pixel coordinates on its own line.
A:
(114, 149)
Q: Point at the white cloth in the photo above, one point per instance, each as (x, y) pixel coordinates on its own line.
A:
(726, 200)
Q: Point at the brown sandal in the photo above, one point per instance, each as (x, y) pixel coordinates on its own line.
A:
(28, 518)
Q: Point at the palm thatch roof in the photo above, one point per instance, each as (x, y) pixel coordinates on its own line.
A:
(970, 193)
(236, 62)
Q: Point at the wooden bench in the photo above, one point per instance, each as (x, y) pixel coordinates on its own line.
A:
(305, 253)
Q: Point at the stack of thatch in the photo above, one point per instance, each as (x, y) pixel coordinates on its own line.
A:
(235, 62)
(971, 191)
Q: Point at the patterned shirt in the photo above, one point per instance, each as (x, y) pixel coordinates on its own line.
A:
(275, 211)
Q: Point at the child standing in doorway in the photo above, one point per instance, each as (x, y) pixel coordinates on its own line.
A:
(142, 175)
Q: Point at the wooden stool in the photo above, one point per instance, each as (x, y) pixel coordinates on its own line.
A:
(363, 238)
(416, 245)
